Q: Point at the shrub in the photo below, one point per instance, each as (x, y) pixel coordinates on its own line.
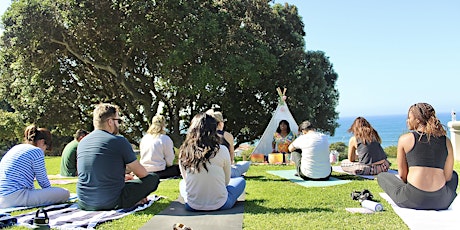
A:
(391, 151)
(341, 148)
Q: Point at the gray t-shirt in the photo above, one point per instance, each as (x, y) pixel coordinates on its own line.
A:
(101, 161)
(315, 154)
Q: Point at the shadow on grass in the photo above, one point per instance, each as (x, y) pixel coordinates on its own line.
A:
(254, 207)
(263, 178)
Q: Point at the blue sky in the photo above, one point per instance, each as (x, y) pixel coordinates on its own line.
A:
(388, 54)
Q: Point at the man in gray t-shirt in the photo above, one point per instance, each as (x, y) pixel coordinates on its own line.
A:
(102, 158)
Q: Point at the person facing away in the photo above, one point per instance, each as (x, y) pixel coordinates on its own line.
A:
(425, 164)
(282, 138)
(24, 163)
(205, 168)
(366, 145)
(226, 139)
(157, 150)
(313, 163)
(102, 159)
(69, 155)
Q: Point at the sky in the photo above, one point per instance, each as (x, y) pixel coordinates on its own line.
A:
(388, 54)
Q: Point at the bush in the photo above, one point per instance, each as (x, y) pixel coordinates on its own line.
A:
(391, 151)
(341, 148)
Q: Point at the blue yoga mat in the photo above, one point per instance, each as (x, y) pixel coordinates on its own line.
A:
(289, 174)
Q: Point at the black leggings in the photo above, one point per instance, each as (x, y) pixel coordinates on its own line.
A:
(406, 195)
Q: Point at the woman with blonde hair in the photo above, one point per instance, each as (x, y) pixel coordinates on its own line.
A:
(157, 150)
(365, 144)
(24, 163)
(425, 164)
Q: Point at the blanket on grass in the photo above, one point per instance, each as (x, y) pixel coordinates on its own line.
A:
(73, 197)
(428, 219)
(230, 219)
(65, 216)
(339, 169)
(289, 174)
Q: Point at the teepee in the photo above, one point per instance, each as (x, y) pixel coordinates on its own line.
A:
(281, 113)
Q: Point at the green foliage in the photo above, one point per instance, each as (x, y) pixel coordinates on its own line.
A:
(13, 129)
(59, 58)
(341, 148)
(391, 151)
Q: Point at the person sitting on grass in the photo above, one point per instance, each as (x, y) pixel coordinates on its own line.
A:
(425, 164)
(205, 168)
(226, 139)
(24, 163)
(69, 155)
(365, 143)
(157, 150)
(103, 157)
(313, 163)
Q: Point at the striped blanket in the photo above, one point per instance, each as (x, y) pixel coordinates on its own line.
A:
(65, 216)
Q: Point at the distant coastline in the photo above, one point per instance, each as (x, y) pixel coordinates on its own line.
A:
(389, 127)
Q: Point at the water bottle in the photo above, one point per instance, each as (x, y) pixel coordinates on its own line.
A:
(372, 205)
(454, 116)
(41, 222)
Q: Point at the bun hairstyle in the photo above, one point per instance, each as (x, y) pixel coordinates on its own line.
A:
(33, 134)
(157, 126)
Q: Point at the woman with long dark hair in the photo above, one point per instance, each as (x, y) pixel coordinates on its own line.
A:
(365, 153)
(205, 168)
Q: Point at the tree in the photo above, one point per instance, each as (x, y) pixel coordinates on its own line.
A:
(61, 57)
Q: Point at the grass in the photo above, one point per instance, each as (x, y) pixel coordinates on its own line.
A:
(276, 203)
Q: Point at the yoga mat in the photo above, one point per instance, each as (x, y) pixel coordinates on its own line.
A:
(428, 219)
(289, 174)
(73, 197)
(339, 169)
(230, 219)
(68, 216)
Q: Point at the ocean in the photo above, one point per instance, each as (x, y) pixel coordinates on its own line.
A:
(389, 127)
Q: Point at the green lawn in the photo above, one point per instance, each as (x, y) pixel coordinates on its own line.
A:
(276, 203)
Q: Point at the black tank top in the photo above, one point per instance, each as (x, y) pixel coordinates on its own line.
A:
(370, 153)
(426, 153)
(220, 133)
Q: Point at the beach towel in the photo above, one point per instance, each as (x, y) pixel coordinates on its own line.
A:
(289, 174)
(65, 216)
(339, 169)
(428, 219)
(73, 197)
(230, 219)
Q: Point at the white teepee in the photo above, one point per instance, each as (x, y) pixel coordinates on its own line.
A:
(281, 113)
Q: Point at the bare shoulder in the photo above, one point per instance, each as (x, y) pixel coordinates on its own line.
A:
(228, 135)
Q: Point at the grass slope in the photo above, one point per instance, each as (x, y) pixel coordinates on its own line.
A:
(276, 203)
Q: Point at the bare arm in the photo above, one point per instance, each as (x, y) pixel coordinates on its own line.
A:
(229, 138)
(352, 149)
(449, 165)
(137, 169)
(405, 143)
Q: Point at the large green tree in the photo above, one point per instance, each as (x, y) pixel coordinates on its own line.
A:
(59, 58)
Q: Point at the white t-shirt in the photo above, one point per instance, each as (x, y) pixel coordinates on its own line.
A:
(156, 153)
(207, 190)
(315, 154)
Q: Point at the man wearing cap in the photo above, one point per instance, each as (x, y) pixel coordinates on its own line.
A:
(313, 163)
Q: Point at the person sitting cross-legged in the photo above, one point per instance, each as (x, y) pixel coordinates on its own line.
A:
(103, 157)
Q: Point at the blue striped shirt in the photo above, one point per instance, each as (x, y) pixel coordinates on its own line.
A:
(20, 166)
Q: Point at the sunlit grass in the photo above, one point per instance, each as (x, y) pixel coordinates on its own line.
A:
(276, 203)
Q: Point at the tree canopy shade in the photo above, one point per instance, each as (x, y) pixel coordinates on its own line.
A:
(60, 57)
